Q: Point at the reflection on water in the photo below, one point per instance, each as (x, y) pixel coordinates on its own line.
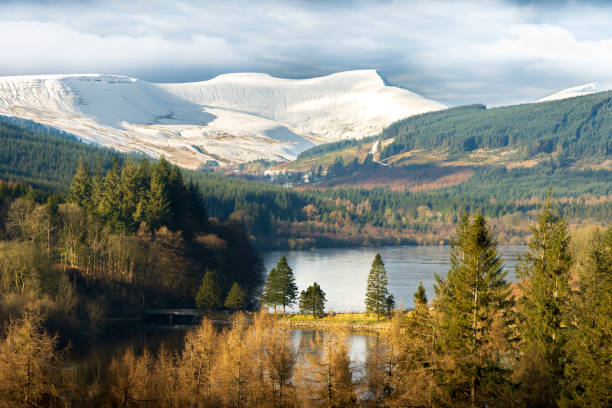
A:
(359, 344)
(343, 272)
(91, 356)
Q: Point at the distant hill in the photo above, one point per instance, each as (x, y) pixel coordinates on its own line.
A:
(568, 130)
(573, 128)
(580, 90)
(564, 144)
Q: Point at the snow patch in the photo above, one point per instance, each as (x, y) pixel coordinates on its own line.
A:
(581, 90)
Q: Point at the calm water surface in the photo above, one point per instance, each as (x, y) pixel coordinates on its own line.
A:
(343, 273)
(91, 356)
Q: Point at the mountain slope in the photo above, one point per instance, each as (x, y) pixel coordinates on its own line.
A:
(351, 104)
(233, 118)
(581, 90)
(441, 149)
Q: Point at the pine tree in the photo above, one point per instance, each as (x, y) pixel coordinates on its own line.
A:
(81, 187)
(107, 208)
(236, 298)
(588, 373)
(271, 294)
(544, 274)
(469, 300)
(312, 300)
(158, 208)
(280, 289)
(389, 304)
(209, 294)
(420, 297)
(133, 186)
(376, 291)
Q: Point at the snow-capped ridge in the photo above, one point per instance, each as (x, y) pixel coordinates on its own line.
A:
(580, 90)
(231, 118)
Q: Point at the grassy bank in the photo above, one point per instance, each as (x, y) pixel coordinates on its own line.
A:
(352, 321)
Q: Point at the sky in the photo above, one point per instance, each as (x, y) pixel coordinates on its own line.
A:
(456, 52)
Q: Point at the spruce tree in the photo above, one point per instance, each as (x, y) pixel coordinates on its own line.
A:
(469, 300)
(158, 208)
(236, 298)
(287, 289)
(81, 187)
(271, 295)
(588, 372)
(312, 300)
(107, 208)
(544, 274)
(420, 297)
(376, 291)
(209, 294)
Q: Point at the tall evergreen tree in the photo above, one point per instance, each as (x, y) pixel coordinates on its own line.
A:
(312, 300)
(280, 288)
(81, 187)
(107, 208)
(420, 297)
(376, 291)
(209, 294)
(133, 185)
(158, 209)
(588, 373)
(236, 298)
(544, 274)
(469, 300)
(271, 295)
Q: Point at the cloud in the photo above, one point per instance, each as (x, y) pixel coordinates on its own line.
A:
(496, 52)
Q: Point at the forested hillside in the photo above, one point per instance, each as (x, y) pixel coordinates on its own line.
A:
(137, 236)
(573, 128)
(43, 157)
(334, 212)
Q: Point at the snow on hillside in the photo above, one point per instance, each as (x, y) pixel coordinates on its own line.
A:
(350, 104)
(232, 118)
(573, 92)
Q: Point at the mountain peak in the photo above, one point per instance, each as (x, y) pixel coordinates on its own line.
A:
(580, 90)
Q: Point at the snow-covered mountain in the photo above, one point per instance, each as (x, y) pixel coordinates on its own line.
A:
(232, 118)
(572, 92)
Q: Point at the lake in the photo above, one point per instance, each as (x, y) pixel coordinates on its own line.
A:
(342, 273)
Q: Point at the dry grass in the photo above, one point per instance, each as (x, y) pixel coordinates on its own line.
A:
(344, 318)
